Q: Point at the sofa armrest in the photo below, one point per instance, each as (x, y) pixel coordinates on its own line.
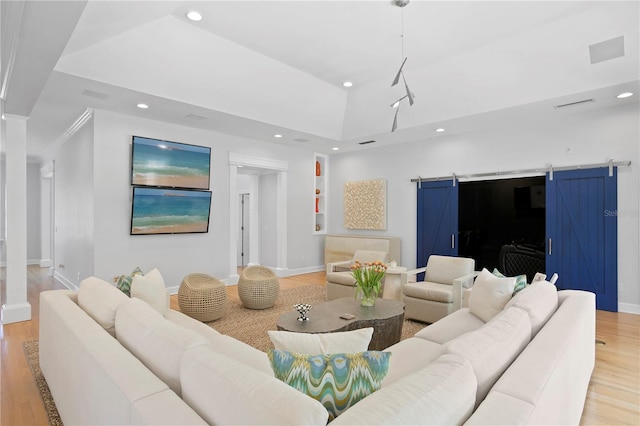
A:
(459, 284)
(410, 276)
(338, 266)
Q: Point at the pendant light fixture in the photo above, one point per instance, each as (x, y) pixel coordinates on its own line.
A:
(408, 94)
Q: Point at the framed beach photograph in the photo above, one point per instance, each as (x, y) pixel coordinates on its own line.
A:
(156, 162)
(169, 211)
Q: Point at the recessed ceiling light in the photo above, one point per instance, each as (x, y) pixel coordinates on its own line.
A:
(335, 148)
(142, 106)
(277, 135)
(347, 84)
(194, 16)
(624, 95)
(439, 130)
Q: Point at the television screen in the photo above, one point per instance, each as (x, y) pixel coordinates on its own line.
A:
(169, 211)
(161, 163)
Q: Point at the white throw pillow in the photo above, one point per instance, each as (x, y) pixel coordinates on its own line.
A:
(323, 343)
(490, 294)
(539, 300)
(150, 288)
(100, 300)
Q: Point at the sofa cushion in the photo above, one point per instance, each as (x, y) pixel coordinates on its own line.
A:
(336, 380)
(224, 391)
(443, 393)
(322, 343)
(453, 325)
(493, 347)
(344, 278)
(150, 288)
(225, 345)
(100, 300)
(158, 343)
(429, 291)
(409, 356)
(490, 294)
(539, 300)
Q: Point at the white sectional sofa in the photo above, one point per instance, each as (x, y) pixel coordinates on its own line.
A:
(530, 364)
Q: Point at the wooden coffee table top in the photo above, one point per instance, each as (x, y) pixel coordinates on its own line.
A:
(385, 317)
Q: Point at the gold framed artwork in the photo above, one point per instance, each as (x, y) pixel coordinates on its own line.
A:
(365, 204)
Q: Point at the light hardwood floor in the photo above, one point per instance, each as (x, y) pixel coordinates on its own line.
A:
(613, 397)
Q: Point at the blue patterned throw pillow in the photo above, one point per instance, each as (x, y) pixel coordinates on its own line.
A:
(521, 281)
(338, 381)
(123, 282)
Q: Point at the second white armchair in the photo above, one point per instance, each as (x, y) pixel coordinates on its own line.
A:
(440, 293)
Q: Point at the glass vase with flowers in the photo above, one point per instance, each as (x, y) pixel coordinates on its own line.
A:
(368, 278)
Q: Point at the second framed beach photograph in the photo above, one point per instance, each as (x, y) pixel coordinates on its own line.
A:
(156, 162)
(169, 211)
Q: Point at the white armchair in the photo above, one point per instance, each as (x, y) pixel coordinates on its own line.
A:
(340, 282)
(441, 292)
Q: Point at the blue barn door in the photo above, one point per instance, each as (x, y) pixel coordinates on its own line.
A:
(437, 227)
(582, 233)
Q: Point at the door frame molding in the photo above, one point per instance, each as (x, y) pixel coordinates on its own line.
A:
(281, 168)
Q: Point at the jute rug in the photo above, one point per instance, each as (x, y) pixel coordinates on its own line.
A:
(250, 326)
(247, 325)
(33, 358)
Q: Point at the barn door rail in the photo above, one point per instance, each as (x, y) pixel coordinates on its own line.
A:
(539, 171)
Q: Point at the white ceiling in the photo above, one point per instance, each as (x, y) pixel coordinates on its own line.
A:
(256, 68)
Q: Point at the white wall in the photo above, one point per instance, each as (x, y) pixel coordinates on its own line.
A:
(268, 219)
(117, 252)
(74, 208)
(593, 137)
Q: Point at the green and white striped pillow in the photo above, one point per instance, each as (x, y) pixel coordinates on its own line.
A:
(123, 282)
(338, 381)
(521, 281)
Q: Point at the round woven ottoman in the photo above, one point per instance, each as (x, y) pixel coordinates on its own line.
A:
(258, 287)
(202, 297)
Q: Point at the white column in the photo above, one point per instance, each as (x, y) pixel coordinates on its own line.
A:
(16, 308)
(46, 215)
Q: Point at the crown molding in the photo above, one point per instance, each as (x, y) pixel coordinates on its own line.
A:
(85, 117)
(11, 32)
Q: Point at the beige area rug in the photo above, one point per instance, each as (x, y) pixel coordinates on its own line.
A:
(33, 358)
(247, 325)
(250, 326)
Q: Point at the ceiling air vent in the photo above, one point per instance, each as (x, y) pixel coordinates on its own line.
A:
(570, 104)
(301, 140)
(366, 142)
(94, 94)
(196, 117)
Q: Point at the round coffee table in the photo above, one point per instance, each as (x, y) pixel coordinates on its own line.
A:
(385, 317)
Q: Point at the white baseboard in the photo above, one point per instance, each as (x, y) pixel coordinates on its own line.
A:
(65, 282)
(45, 263)
(3, 264)
(307, 270)
(629, 308)
(17, 312)
(233, 279)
